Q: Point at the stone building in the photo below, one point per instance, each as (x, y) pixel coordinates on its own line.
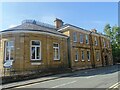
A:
(86, 47)
(34, 45)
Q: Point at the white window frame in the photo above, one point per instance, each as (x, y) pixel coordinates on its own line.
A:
(74, 36)
(9, 51)
(83, 55)
(58, 51)
(76, 54)
(96, 42)
(35, 50)
(89, 55)
(87, 39)
(81, 38)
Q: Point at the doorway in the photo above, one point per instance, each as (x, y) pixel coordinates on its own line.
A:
(106, 60)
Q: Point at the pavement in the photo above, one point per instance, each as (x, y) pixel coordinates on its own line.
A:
(103, 77)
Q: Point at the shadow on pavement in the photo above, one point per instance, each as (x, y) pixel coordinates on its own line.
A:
(97, 71)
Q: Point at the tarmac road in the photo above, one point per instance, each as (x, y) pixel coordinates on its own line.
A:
(105, 77)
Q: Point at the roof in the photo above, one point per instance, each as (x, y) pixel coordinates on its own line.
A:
(33, 26)
(66, 25)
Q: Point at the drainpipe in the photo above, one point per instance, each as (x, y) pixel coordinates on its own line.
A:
(69, 52)
(101, 51)
(92, 51)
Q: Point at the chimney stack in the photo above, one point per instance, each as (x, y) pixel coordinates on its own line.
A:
(58, 23)
(94, 30)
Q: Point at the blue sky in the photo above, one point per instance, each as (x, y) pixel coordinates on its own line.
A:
(85, 15)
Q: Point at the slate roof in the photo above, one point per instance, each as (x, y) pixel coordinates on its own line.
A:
(27, 26)
(65, 25)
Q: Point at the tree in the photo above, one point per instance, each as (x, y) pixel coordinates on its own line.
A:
(107, 29)
(114, 34)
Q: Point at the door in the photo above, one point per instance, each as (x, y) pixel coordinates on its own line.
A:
(106, 60)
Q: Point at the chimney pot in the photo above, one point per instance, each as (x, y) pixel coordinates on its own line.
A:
(94, 30)
(58, 23)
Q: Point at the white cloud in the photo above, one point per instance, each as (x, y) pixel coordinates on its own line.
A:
(12, 25)
(48, 19)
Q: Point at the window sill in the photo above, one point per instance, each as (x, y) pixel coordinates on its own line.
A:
(98, 60)
(56, 59)
(76, 60)
(36, 63)
(35, 59)
(81, 42)
(8, 60)
(83, 60)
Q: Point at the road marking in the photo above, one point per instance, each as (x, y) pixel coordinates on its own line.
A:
(39, 83)
(64, 84)
(114, 86)
(90, 76)
(24, 86)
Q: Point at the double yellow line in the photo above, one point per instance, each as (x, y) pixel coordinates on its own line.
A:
(114, 87)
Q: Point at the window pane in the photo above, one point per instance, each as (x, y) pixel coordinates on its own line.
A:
(33, 52)
(82, 55)
(57, 54)
(9, 47)
(35, 42)
(11, 53)
(81, 37)
(88, 55)
(6, 44)
(38, 52)
(55, 45)
(7, 53)
(76, 56)
(95, 41)
(11, 43)
(54, 53)
(87, 39)
(74, 36)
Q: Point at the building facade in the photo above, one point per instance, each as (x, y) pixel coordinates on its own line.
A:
(34, 45)
(87, 48)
